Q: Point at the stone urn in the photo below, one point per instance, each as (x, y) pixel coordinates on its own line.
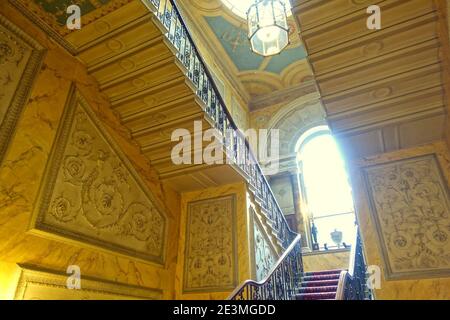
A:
(336, 236)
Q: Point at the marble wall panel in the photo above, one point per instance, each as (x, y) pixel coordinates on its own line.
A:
(23, 168)
(41, 284)
(20, 60)
(320, 261)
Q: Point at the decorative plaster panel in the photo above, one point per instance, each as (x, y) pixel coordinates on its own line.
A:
(282, 189)
(211, 255)
(20, 59)
(40, 284)
(265, 255)
(410, 205)
(92, 194)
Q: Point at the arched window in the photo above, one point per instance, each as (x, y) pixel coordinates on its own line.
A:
(326, 188)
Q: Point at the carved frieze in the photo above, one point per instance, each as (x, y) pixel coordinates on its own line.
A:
(20, 59)
(92, 194)
(41, 284)
(410, 204)
(211, 257)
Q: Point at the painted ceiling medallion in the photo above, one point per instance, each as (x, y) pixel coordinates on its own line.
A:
(254, 76)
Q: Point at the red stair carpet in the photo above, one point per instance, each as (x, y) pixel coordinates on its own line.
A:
(320, 285)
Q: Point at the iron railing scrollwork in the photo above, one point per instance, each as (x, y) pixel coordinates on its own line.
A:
(281, 282)
(237, 146)
(352, 283)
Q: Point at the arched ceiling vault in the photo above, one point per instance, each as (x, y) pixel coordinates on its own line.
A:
(256, 78)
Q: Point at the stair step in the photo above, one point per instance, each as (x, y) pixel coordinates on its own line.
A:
(321, 277)
(329, 289)
(316, 296)
(320, 283)
(325, 272)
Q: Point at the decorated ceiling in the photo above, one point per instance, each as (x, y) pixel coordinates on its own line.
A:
(225, 32)
(54, 14)
(234, 40)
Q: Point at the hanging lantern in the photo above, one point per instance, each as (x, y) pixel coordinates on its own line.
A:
(268, 29)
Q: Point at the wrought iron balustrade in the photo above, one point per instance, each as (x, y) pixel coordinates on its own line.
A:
(237, 147)
(281, 282)
(352, 283)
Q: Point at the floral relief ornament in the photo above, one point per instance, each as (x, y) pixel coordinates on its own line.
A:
(411, 205)
(6, 52)
(210, 260)
(11, 51)
(96, 196)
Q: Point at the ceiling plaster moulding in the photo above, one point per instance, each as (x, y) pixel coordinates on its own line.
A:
(250, 84)
(217, 8)
(204, 36)
(301, 90)
(297, 72)
(263, 84)
(266, 81)
(294, 74)
(211, 8)
(102, 8)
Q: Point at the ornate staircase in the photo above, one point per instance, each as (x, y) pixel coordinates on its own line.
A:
(149, 68)
(288, 281)
(319, 285)
(143, 59)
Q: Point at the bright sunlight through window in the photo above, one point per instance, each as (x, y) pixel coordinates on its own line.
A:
(240, 7)
(328, 192)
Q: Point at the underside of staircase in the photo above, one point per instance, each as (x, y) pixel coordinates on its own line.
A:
(155, 89)
(149, 89)
(320, 285)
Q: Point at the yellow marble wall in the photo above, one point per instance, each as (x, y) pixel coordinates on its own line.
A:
(326, 260)
(419, 288)
(23, 168)
(445, 32)
(243, 255)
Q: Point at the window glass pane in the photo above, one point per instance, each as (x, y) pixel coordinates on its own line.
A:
(344, 223)
(327, 188)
